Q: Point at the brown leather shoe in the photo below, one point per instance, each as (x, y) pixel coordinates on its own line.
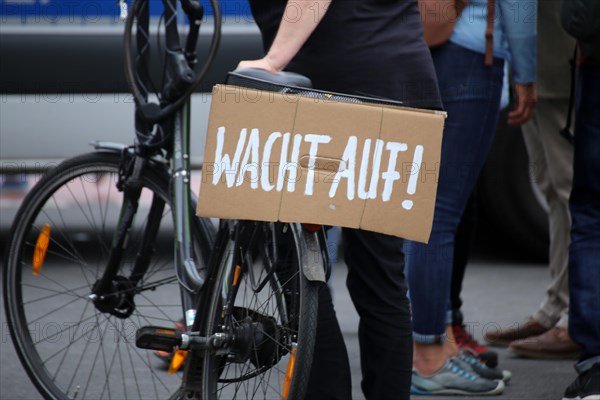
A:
(556, 344)
(497, 337)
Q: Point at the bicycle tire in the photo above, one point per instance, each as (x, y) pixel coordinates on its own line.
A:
(283, 314)
(68, 347)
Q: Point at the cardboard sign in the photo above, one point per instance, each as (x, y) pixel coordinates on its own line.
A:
(282, 157)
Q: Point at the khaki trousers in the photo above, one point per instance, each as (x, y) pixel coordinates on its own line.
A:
(551, 163)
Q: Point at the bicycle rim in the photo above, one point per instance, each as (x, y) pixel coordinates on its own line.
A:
(69, 347)
(276, 324)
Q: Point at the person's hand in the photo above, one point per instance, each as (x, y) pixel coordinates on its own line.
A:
(263, 63)
(525, 101)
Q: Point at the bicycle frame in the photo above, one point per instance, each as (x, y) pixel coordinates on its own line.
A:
(154, 124)
(184, 259)
(254, 284)
(171, 120)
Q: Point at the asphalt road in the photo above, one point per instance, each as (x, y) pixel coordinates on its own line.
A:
(495, 293)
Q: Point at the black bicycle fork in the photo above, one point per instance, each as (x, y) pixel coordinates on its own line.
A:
(114, 293)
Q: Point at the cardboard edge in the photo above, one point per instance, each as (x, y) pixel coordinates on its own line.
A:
(406, 108)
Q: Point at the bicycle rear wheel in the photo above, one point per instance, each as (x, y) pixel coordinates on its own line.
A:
(260, 297)
(69, 346)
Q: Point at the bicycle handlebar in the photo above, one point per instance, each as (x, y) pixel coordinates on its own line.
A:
(182, 80)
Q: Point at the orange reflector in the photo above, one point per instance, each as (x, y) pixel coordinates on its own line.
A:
(289, 373)
(41, 247)
(312, 227)
(165, 331)
(236, 275)
(177, 361)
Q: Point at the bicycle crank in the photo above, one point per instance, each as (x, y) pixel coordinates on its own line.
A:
(167, 339)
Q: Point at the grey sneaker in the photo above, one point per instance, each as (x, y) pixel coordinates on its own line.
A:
(455, 377)
(481, 369)
(586, 386)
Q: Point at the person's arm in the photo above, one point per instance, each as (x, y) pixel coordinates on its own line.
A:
(519, 20)
(299, 21)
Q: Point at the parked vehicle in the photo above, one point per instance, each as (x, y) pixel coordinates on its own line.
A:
(50, 48)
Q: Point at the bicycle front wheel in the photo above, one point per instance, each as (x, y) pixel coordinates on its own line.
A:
(71, 345)
(262, 301)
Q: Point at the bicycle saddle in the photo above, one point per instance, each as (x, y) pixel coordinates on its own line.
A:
(291, 82)
(259, 78)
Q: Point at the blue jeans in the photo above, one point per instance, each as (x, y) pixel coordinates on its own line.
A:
(584, 252)
(471, 95)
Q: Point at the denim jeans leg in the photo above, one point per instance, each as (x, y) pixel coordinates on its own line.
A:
(584, 252)
(471, 96)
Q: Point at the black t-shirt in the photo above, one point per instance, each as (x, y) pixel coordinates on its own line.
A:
(367, 47)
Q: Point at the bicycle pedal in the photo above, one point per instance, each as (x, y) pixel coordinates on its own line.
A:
(158, 338)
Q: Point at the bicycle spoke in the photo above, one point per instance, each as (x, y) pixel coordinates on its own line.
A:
(121, 363)
(56, 293)
(93, 364)
(165, 266)
(53, 311)
(63, 232)
(143, 360)
(60, 364)
(137, 386)
(84, 214)
(67, 290)
(157, 307)
(59, 333)
(107, 372)
(152, 374)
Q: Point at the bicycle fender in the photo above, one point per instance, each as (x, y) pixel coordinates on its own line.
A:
(308, 244)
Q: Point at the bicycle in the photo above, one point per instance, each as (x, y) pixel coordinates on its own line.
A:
(106, 256)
